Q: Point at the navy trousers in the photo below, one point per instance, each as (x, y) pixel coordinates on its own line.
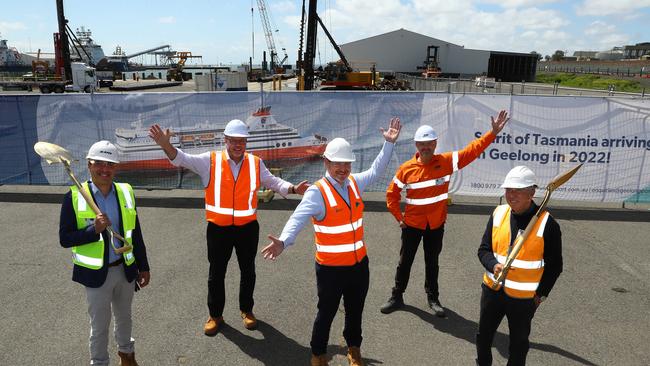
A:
(221, 241)
(349, 282)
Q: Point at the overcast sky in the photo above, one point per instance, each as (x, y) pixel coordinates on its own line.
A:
(222, 31)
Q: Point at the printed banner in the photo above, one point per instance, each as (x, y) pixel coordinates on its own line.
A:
(289, 130)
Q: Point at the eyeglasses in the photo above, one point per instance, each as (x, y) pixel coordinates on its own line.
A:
(236, 140)
(100, 163)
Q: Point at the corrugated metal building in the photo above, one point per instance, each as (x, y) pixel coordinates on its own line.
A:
(405, 51)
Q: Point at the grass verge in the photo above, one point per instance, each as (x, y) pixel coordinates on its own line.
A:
(587, 81)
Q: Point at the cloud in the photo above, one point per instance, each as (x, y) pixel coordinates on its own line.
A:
(285, 7)
(517, 3)
(603, 36)
(167, 20)
(608, 7)
(8, 27)
(516, 29)
(511, 25)
(599, 28)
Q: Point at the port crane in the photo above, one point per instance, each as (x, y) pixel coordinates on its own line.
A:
(337, 75)
(276, 65)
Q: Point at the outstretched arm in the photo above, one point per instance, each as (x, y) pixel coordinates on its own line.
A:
(301, 187)
(380, 163)
(162, 139)
(273, 249)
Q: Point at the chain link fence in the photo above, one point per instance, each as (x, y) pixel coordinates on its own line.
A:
(469, 86)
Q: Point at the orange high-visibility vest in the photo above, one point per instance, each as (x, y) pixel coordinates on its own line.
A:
(427, 185)
(339, 235)
(526, 270)
(229, 201)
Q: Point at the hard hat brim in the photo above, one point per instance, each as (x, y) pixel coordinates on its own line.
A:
(236, 135)
(515, 185)
(101, 158)
(339, 160)
(425, 139)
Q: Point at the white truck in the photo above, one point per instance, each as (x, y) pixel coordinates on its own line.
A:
(485, 82)
(84, 79)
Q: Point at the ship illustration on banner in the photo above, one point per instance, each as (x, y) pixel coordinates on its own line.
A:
(269, 140)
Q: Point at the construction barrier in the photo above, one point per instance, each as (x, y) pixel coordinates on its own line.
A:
(611, 136)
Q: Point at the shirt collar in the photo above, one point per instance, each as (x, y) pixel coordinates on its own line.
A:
(335, 183)
(96, 190)
(225, 152)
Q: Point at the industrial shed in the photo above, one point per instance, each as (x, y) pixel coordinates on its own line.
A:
(406, 51)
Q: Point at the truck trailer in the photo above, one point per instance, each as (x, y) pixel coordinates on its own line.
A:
(84, 79)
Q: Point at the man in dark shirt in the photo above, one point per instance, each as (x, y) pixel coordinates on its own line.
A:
(531, 276)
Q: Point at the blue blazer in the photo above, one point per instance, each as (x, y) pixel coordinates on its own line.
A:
(70, 236)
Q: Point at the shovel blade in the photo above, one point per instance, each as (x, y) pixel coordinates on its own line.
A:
(52, 153)
(562, 178)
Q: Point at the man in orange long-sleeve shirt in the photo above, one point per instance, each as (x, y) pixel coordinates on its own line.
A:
(426, 180)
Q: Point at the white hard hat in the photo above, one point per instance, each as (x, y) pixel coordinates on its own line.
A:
(425, 133)
(520, 177)
(236, 128)
(339, 150)
(103, 151)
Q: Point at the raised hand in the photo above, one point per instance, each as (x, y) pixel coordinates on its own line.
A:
(500, 122)
(162, 138)
(159, 136)
(394, 128)
(274, 249)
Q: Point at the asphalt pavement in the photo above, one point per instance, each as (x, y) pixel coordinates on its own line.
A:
(597, 314)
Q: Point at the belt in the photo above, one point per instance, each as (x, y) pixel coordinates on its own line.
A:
(117, 262)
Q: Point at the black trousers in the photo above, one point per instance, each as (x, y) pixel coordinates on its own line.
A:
(432, 245)
(221, 240)
(349, 282)
(494, 306)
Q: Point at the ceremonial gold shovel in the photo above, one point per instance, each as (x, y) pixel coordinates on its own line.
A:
(55, 154)
(519, 240)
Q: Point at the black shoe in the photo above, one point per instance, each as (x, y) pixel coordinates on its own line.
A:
(394, 303)
(437, 308)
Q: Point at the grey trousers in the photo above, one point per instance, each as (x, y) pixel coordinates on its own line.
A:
(116, 294)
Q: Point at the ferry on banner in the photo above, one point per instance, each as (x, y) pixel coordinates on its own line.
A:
(270, 140)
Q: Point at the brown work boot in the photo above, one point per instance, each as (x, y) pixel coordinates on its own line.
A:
(354, 356)
(249, 320)
(127, 359)
(211, 326)
(320, 360)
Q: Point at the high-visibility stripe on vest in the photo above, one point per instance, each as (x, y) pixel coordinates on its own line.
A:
(428, 195)
(427, 185)
(526, 270)
(91, 255)
(339, 235)
(230, 201)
